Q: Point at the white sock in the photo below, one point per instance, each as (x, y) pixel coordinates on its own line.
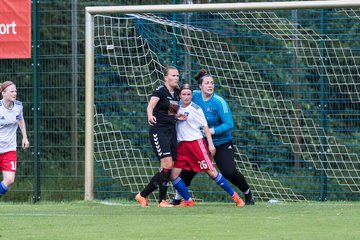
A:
(178, 196)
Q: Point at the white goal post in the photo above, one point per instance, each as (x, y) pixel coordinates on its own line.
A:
(89, 51)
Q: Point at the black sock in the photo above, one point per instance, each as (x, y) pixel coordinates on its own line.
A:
(164, 179)
(187, 176)
(152, 186)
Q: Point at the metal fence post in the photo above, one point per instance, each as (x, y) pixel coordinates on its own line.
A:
(36, 107)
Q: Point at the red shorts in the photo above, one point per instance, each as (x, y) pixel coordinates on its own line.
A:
(194, 155)
(8, 161)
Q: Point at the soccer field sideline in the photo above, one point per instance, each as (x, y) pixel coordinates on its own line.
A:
(126, 220)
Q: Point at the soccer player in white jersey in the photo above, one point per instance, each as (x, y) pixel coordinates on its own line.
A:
(219, 118)
(11, 117)
(193, 151)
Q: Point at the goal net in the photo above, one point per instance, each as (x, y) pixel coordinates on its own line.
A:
(290, 76)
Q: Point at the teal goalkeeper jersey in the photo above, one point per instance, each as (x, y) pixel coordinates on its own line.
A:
(218, 116)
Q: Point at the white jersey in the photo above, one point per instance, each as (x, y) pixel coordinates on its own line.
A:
(189, 130)
(9, 122)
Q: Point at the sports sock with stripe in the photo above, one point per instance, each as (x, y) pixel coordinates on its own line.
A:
(3, 189)
(180, 186)
(221, 181)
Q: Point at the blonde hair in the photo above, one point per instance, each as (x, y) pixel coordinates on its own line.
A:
(4, 85)
(168, 68)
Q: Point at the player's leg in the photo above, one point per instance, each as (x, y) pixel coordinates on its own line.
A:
(180, 187)
(168, 149)
(225, 161)
(193, 154)
(221, 181)
(141, 197)
(159, 141)
(181, 164)
(8, 180)
(164, 178)
(159, 179)
(3, 186)
(154, 135)
(187, 176)
(179, 184)
(8, 168)
(3, 189)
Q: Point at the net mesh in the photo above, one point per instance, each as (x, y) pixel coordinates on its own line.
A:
(291, 80)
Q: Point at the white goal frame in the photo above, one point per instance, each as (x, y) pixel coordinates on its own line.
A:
(89, 51)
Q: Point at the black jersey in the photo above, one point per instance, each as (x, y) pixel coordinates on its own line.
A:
(167, 107)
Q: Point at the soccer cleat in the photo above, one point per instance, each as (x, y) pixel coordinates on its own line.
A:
(249, 199)
(144, 202)
(176, 202)
(165, 203)
(186, 203)
(238, 201)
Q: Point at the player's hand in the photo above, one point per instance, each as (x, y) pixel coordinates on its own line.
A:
(181, 117)
(212, 149)
(25, 144)
(152, 120)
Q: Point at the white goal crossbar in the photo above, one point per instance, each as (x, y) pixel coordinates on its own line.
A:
(89, 66)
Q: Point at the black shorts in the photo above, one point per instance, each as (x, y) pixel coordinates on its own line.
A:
(163, 140)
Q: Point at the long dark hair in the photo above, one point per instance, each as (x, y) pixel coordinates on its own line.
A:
(201, 74)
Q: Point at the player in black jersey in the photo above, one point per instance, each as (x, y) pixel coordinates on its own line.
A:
(161, 112)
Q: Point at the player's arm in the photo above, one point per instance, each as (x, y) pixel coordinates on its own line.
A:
(150, 110)
(25, 141)
(211, 146)
(227, 122)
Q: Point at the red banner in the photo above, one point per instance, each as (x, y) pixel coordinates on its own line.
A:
(15, 28)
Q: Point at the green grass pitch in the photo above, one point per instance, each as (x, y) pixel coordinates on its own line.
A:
(126, 220)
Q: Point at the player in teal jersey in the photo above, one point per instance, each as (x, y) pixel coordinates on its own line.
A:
(220, 122)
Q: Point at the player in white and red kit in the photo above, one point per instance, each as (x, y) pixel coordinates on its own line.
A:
(11, 117)
(220, 121)
(193, 151)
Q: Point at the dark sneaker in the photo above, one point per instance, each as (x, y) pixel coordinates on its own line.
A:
(176, 202)
(249, 199)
